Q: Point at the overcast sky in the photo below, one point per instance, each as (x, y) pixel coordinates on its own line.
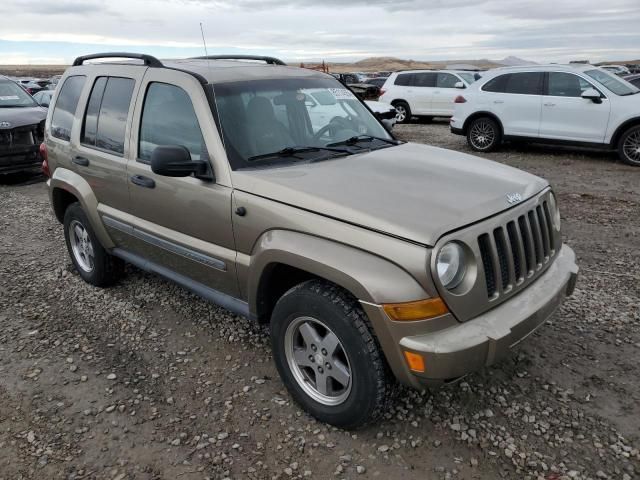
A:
(55, 31)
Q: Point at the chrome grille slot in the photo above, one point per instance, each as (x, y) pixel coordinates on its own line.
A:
(515, 251)
(487, 263)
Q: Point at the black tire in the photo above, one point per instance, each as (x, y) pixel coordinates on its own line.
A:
(106, 269)
(483, 134)
(629, 146)
(371, 383)
(403, 111)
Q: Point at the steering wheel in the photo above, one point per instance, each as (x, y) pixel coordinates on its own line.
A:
(336, 123)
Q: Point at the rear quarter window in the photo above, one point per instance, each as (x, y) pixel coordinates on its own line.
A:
(65, 109)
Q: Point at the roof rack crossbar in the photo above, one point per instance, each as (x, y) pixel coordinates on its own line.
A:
(269, 60)
(148, 60)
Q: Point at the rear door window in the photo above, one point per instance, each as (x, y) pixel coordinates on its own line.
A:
(65, 109)
(425, 79)
(105, 119)
(526, 83)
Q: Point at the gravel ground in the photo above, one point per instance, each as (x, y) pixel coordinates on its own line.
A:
(146, 381)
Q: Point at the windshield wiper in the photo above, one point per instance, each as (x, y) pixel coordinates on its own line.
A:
(364, 138)
(293, 151)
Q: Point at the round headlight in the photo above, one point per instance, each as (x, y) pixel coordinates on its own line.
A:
(451, 265)
(554, 211)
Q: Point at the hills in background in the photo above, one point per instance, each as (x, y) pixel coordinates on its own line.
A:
(373, 64)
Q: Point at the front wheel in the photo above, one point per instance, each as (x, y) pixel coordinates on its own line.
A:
(327, 356)
(629, 146)
(483, 134)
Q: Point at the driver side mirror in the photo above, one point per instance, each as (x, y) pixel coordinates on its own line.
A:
(459, 85)
(592, 94)
(175, 161)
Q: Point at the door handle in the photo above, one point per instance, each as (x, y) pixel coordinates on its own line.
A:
(549, 104)
(498, 101)
(141, 181)
(82, 161)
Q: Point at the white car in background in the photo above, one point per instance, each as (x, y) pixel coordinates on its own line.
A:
(424, 93)
(573, 104)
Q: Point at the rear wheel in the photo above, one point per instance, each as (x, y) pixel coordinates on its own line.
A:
(629, 146)
(403, 112)
(91, 260)
(483, 134)
(327, 355)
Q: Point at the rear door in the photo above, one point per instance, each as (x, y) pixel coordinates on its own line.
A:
(424, 86)
(516, 98)
(444, 93)
(183, 224)
(568, 116)
(101, 156)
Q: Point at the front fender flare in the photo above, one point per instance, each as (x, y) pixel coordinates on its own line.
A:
(368, 277)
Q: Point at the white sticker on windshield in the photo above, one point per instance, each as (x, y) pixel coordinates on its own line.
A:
(342, 94)
(9, 97)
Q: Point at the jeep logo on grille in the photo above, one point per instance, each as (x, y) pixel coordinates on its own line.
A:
(513, 198)
(5, 124)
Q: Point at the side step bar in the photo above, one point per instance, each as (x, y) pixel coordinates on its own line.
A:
(232, 304)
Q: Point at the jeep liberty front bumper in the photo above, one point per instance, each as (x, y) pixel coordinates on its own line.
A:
(452, 349)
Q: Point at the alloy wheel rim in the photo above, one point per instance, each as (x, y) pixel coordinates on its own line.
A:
(631, 147)
(318, 361)
(401, 113)
(482, 135)
(81, 246)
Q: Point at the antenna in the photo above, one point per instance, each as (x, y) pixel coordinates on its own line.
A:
(203, 40)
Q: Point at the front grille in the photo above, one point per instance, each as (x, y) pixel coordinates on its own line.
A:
(515, 251)
(22, 136)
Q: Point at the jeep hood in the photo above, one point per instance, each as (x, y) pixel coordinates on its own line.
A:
(21, 116)
(412, 191)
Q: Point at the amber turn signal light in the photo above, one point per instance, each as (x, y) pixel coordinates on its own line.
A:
(415, 361)
(420, 310)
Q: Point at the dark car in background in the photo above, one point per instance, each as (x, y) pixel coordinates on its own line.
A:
(377, 81)
(21, 128)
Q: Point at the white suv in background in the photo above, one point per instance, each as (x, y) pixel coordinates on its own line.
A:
(424, 93)
(578, 105)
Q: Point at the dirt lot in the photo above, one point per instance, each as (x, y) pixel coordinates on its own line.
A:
(146, 381)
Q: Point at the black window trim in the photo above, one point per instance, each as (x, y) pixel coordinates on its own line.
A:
(84, 115)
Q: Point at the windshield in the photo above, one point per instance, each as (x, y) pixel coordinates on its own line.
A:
(268, 121)
(12, 96)
(612, 82)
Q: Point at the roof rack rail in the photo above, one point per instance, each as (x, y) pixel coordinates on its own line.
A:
(269, 60)
(148, 60)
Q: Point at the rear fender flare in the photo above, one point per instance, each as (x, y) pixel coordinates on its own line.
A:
(73, 183)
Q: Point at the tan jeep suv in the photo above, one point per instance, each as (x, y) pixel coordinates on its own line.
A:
(275, 193)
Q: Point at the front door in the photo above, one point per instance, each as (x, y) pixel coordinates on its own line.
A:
(568, 116)
(183, 224)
